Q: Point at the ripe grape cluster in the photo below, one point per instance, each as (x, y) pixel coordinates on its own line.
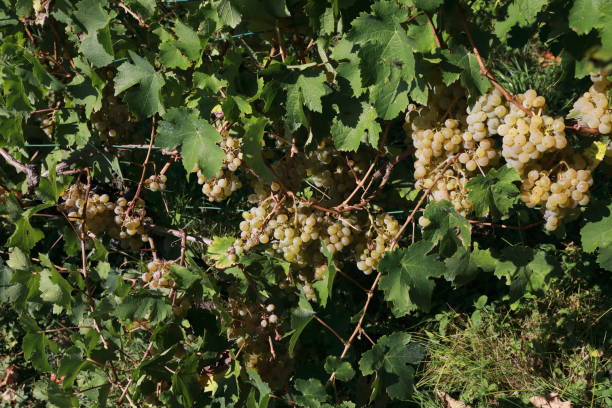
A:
(113, 120)
(158, 274)
(553, 176)
(559, 189)
(526, 138)
(466, 136)
(225, 182)
(93, 209)
(156, 182)
(593, 107)
(252, 326)
(378, 240)
(101, 215)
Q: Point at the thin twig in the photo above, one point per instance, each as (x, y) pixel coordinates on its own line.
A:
(433, 29)
(394, 242)
(178, 234)
(141, 22)
(30, 172)
(503, 226)
(144, 169)
(328, 327)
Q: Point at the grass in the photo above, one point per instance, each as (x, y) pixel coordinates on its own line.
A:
(526, 68)
(501, 356)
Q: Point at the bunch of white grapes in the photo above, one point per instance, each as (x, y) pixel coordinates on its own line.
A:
(557, 190)
(378, 240)
(593, 107)
(156, 182)
(290, 230)
(113, 121)
(158, 274)
(131, 222)
(99, 212)
(526, 138)
(225, 182)
(105, 216)
(444, 102)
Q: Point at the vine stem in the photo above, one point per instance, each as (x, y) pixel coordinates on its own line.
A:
(365, 177)
(29, 171)
(328, 327)
(358, 328)
(503, 226)
(484, 71)
(178, 234)
(144, 168)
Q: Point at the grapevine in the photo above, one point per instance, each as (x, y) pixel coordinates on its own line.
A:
(224, 203)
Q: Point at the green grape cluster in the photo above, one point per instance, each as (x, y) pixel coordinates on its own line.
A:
(378, 240)
(225, 182)
(158, 274)
(526, 138)
(113, 120)
(593, 107)
(156, 182)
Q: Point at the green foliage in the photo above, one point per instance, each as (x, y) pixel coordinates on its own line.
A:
(392, 359)
(407, 277)
(494, 193)
(150, 298)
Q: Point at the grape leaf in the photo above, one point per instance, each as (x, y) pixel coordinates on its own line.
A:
(522, 13)
(469, 71)
(464, 265)
(351, 127)
(187, 40)
(597, 235)
(55, 289)
(306, 91)
(197, 138)
(342, 369)
(35, 350)
(325, 285)
(143, 306)
(96, 46)
(312, 393)
(146, 100)
(378, 26)
(406, 279)
(390, 97)
(252, 145)
(300, 317)
(228, 13)
(447, 227)
(25, 236)
(348, 68)
(586, 15)
(171, 57)
(524, 269)
(494, 192)
(427, 5)
(394, 355)
(217, 250)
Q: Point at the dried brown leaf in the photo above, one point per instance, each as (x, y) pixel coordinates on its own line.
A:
(550, 401)
(450, 402)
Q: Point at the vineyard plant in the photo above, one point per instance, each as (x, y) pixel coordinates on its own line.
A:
(305, 203)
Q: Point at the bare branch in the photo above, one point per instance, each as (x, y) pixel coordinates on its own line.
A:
(29, 170)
